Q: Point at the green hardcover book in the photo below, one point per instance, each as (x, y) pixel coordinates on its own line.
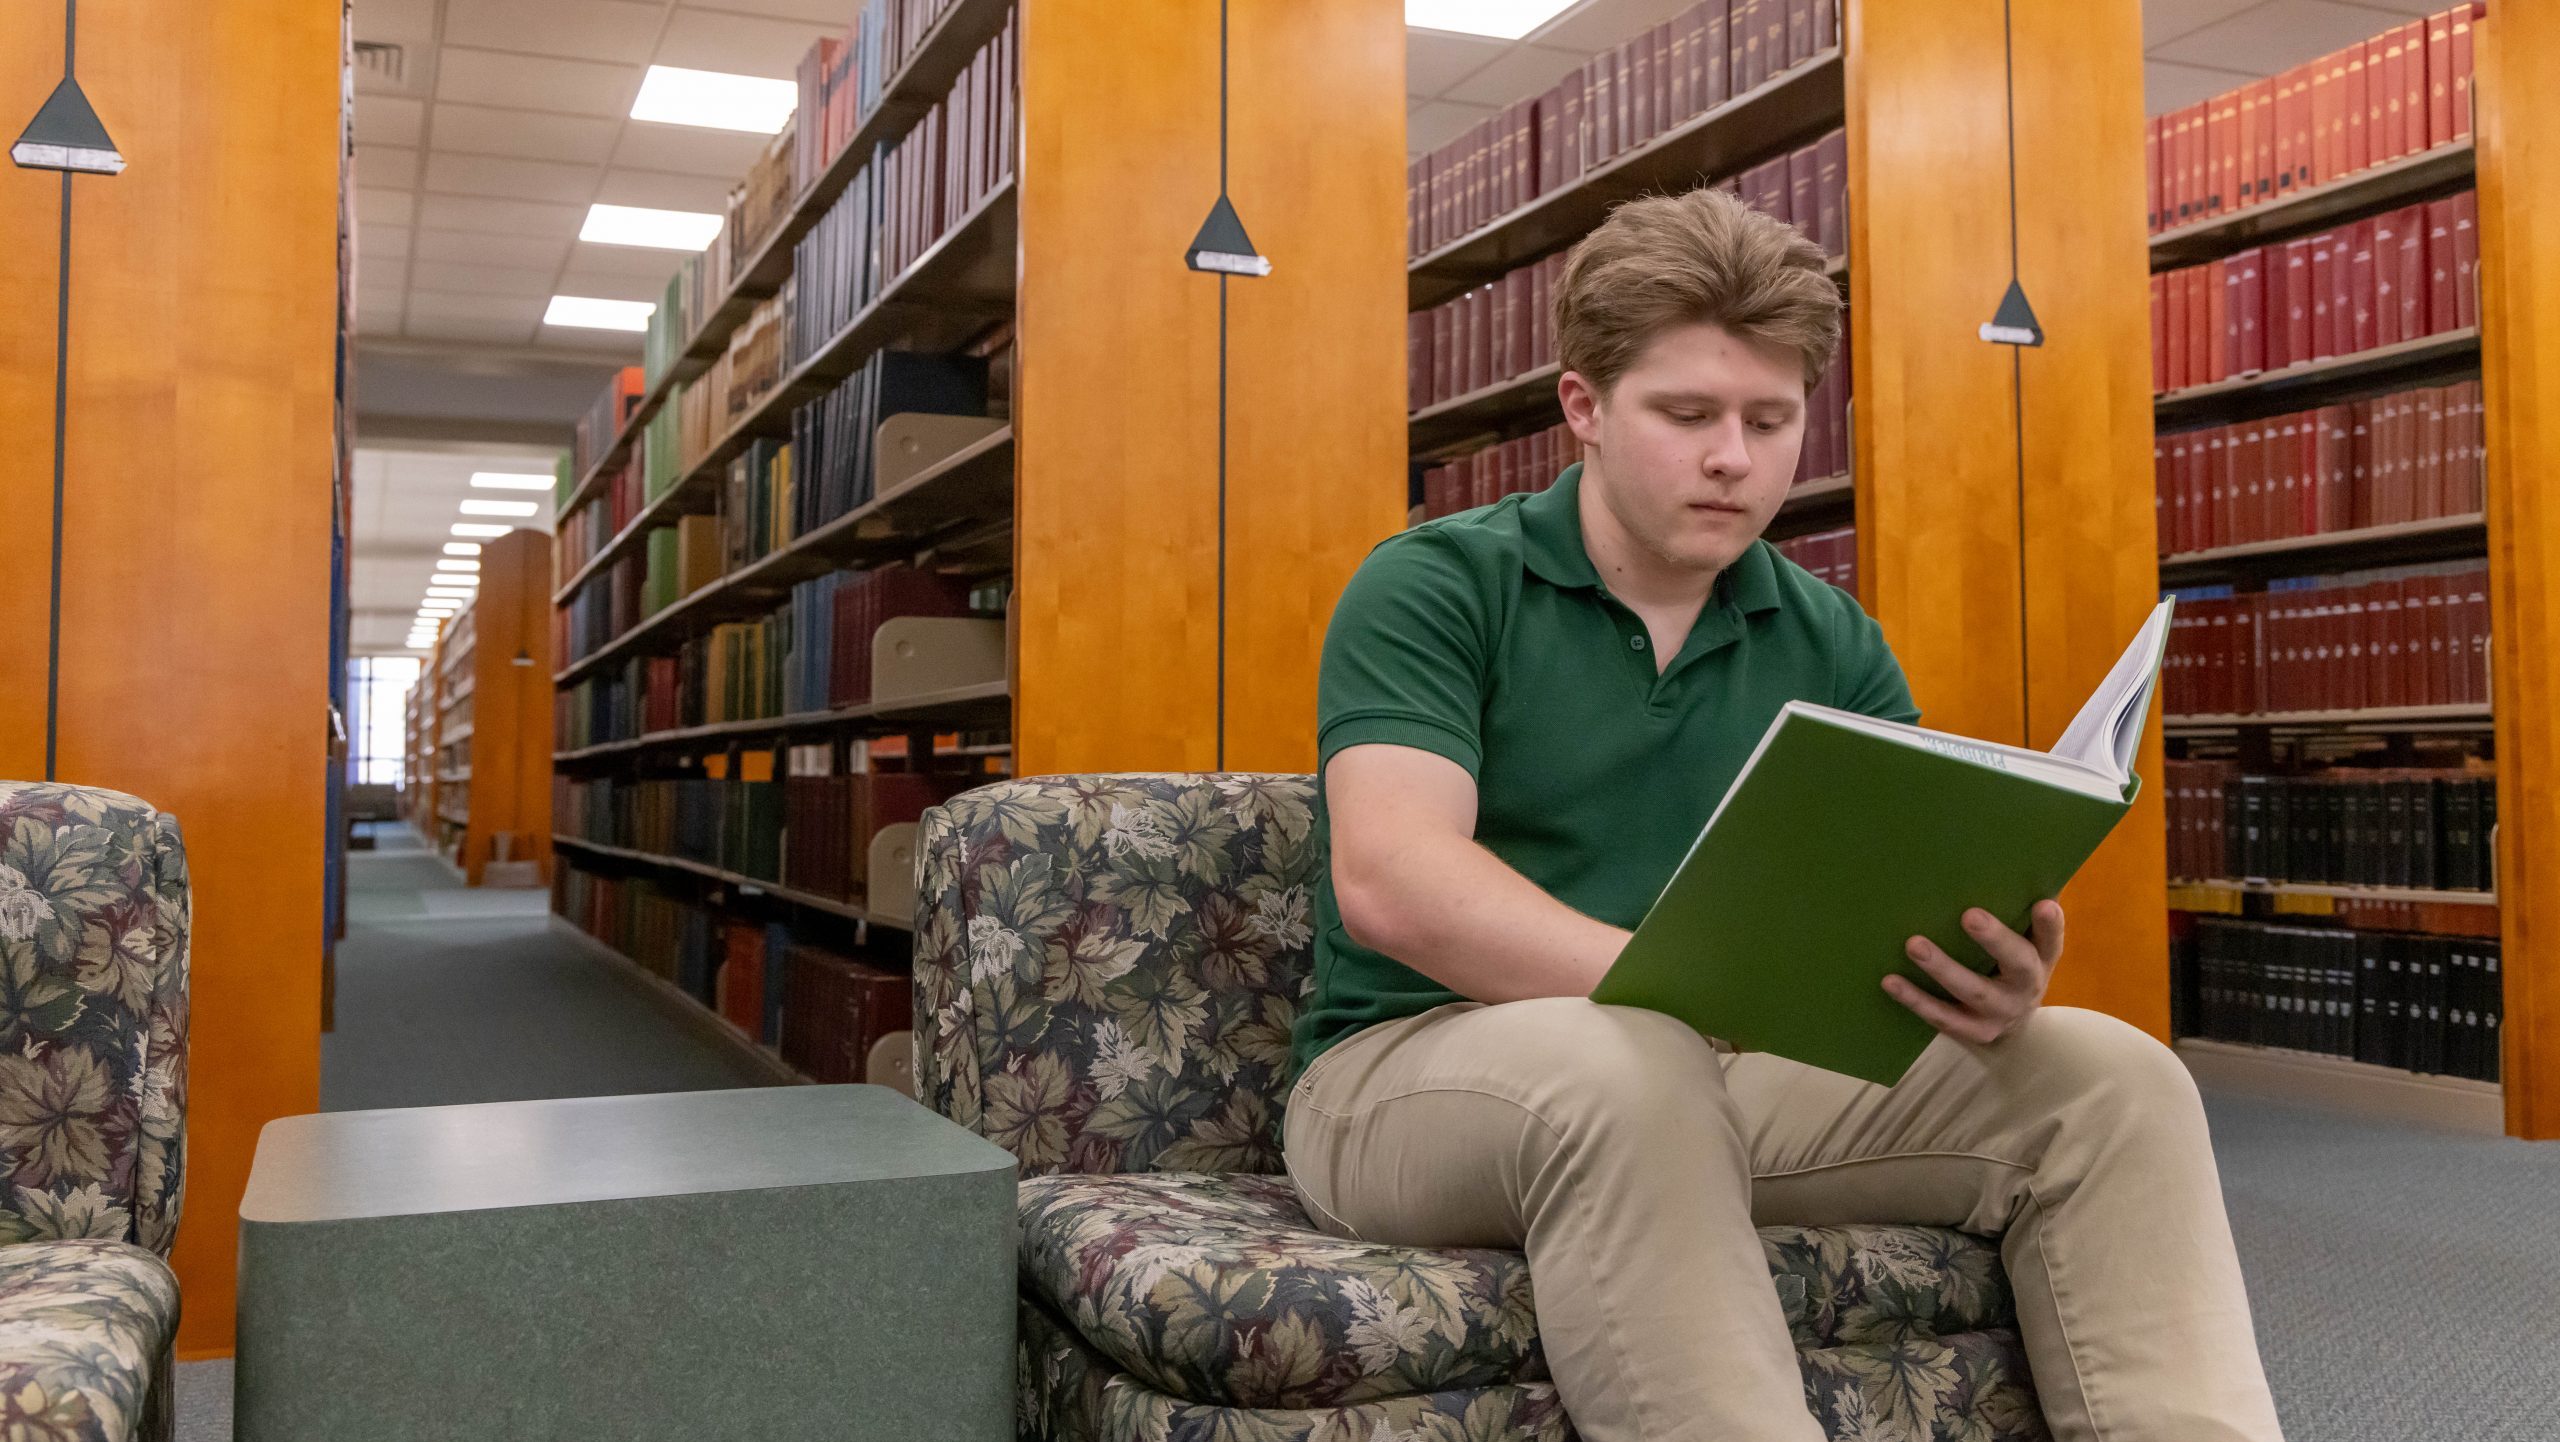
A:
(1843, 836)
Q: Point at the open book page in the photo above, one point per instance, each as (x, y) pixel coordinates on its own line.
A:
(2104, 736)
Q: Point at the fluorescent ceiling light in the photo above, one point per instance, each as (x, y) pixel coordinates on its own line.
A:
(479, 528)
(474, 506)
(653, 229)
(510, 481)
(1499, 19)
(589, 313)
(450, 564)
(715, 100)
(417, 645)
(453, 579)
(462, 548)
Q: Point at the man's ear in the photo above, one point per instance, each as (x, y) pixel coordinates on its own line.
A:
(1582, 401)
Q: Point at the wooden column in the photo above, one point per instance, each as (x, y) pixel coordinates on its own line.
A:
(511, 710)
(195, 547)
(2517, 118)
(1124, 629)
(2004, 494)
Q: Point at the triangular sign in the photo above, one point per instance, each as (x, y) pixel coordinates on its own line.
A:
(1222, 244)
(2015, 322)
(67, 135)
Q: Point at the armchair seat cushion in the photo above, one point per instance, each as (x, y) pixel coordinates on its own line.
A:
(1217, 1289)
(85, 1333)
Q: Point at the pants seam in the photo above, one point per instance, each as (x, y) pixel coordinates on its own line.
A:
(1931, 1155)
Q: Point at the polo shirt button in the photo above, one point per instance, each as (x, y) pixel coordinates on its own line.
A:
(1635, 643)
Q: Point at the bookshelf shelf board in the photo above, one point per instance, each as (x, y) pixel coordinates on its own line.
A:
(2442, 356)
(2405, 181)
(2339, 1083)
(972, 485)
(702, 1017)
(990, 703)
(455, 733)
(2373, 718)
(952, 291)
(743, 885)
(2439, 538)
(1785, 111)
(1814, 505)
(1484, 414)
(2417, 895)
(921, 83)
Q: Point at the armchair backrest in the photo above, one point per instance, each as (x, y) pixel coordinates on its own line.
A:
(1108, 967)
(93, 1016)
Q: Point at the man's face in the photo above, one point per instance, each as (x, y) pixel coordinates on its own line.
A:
(1696, 444)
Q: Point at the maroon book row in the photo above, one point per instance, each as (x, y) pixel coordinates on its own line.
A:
(2409, 456)
(2395, 277)
(1486, 476)
(1619, 100)
(838, 1010)
(2398, 93)
(863, 601)
(829, 823)
(2418, 640)
(1831, 556)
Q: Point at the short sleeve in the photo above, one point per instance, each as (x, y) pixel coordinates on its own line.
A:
(1869, 679)
(1406, 655)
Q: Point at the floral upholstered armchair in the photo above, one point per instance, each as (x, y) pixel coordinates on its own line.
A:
(1107, 970)
(93, 1066)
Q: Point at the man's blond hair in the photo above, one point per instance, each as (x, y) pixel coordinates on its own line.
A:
(1669, 260)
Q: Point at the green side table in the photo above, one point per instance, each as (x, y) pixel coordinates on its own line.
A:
(775, 1263)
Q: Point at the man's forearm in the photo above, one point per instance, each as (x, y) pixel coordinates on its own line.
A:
(1455, 912)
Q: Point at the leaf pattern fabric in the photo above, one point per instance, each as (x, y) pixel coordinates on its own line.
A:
(1107, 972)
(86, 1336)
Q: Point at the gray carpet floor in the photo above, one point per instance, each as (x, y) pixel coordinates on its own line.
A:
(2403, 1279)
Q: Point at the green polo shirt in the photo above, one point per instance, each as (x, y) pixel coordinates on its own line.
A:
(1487, 637)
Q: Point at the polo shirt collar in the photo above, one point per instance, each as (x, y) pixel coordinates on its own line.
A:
(1551, 548)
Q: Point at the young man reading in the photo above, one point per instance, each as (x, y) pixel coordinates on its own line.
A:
(1526, 713)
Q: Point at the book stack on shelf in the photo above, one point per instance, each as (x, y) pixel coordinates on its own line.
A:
(490, 761)
(1492, 214)
(1830, 555)
(2320, 471)
(818, 460)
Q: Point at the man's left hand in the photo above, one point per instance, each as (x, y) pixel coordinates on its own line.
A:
(1985, 1008)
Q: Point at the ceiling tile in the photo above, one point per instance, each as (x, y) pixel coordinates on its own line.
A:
(378, 317)
(2166, 20)
(469, 328)
(531, 252)
(388, 120)
(637, 262)
(2168, 87)
(493, 280)
(382, 242)
(507, 217)
(390, 166)
(383, 207)
(1596, 25)
(829, 13)
(1435, 123)
(686, 150)
(660, 191)
(524, 134)
(405, 22)
(607, 284)
(1435, 60)
(739, 44)
(475, 305)
(509, 179)
(2275, 36)
(1523, 72)
(621, 31)
(573, 87)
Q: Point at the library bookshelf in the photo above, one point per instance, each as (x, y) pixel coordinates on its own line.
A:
(480, 754)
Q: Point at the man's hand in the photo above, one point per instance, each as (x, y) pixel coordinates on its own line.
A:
(1985, 1007)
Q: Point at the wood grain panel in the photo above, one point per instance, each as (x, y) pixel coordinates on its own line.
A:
(2005, 515)
(1934, 424)
(2518, 51)
(1316, 428)
(511, 710)
(2091, 546)
(196, 552)
(1116, 416)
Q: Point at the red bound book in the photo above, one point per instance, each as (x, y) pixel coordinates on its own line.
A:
(1826, 34)
(1714, 56)
(2161, 486)
(1601, 109)
(1799, 31)
(2173, 328)
(2337, 468)
(2222, 152)
(2151, 174)
(1524, 153)
(1435, 493)
(2215, 363)
(2364, 249)
(2473, 483)
(1773, 36)
(2199, 482)
(1639, 76)
(1663, 116)
(2444, 605)
(2463, 17)
(2245, 308)
(2475, 605)
(2361, 507)
(2260, 164)
(2222, 455)
(2324, 289)
(2174, 484)
(2436, 422)
(1622, 98)
(2410, 621)
(1804, 191)
(2466, 259)
(2242, 191)
(1831, 198)
(1573, 129)
(2247, 451)
(1751, 27)
(1417, 360)
(2248, 654)
(1444, 352)
(2362, 102)
(2200, 161)
(2287, 462)
(2305, 129)
(1501, 167)
(2293, 345)
(2328, 126)
(1550, 141)
(2387, 132)
(2412, 134)
(2439, 78)
(2410, 272)
(1680, 90)
(2159, 334)
(2280, 132)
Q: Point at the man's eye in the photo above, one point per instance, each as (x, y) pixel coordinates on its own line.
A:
(1768, 428)
(1685, 418)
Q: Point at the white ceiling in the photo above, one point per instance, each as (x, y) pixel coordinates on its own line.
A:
(405, 505)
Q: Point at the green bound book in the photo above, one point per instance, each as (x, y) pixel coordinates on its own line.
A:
(1845, 835)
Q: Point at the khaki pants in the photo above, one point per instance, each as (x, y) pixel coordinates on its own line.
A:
(1631, 1161)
